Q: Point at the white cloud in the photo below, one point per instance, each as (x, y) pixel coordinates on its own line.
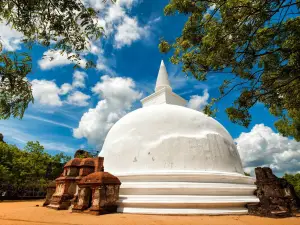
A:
(129, 31)
(118, 25)
(115, 20)
(95, 49)
(198, 102)
(78, 98)
(65, 89)
(100, 5)
(103, 65)
(95, 4)
(114, 13)
(46, 92)
(10, 38)
(79, 79)
(127, 3)
(118, 94)
(263, 147)
(56, 58)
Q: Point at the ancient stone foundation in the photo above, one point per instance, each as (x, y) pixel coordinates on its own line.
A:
(98, 194)
(277, 197)
(84, 187)
(66, 191)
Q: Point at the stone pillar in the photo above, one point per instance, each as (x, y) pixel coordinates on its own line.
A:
(111, 197)
(83, 200)
(96, 208)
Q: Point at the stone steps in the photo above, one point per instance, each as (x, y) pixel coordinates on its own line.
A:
(186, 176)
(186, 192)
(180, 204)
(185, 188)
(185, 211)
(184, 199)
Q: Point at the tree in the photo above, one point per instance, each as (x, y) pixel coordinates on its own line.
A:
(65, 25)
(28, 169)
(294, 180)
(254, 48)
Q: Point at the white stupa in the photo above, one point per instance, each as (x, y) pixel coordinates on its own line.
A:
(175, 160)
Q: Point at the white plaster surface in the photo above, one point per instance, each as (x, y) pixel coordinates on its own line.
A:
(169, 137)
(163, 96)
(163, 92)
(162, 78)
(175, 160)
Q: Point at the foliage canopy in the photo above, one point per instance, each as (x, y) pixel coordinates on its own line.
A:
(28, 169)
(65, 25)
(294, 180)
(254, 48)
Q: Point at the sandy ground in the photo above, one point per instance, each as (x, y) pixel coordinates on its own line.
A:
(27, 213)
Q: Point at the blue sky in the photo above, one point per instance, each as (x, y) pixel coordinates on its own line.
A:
(91, 101)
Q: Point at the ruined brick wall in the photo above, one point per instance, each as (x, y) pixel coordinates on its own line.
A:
(277, 197)
(99, 161)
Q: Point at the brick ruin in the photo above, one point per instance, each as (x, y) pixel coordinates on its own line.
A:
(84, 187)
(98, 193)
(277, 197)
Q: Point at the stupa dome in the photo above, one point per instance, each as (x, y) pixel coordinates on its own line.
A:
(169, 138)
(175, 160)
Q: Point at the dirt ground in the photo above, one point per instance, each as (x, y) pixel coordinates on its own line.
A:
(27, 213)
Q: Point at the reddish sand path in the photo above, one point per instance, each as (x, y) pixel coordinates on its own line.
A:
(26, 213)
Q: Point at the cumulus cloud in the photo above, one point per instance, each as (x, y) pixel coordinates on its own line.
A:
(117, 22)
(103, 65)
(198, 102)
(78, 98)
(127, 3)
(129, 31)
(115, 13)
(10, 38)
(95, 4)
(79, 79)
(117, 96)
(56, 58)
(65, 88)
(95, 49)
(100, 5)
(47, 92)
(263, 147)
(118, 25)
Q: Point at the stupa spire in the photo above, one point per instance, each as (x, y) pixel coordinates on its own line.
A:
(163, 92)
(162, 78)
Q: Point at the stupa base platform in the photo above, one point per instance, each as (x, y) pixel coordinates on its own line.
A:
(186, 193)
(184, 211)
